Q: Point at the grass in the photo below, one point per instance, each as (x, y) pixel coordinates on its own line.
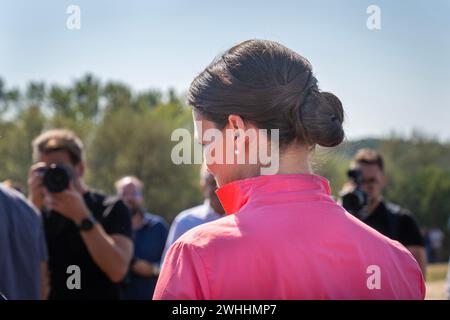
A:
(437, 281)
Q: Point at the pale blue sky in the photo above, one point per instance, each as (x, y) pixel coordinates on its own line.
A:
(396, 78)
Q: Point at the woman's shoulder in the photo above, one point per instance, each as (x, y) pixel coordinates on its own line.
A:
(211, 233)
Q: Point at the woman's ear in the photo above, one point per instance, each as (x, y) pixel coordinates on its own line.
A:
(237, 126)
(235, 122)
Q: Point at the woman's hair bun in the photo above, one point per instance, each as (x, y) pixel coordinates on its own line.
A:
(322, 116)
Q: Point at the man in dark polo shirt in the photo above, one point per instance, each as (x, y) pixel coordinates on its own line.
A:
(385, 217)
(88, 234)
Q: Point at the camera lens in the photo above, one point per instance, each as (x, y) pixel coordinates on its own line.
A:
(354, 201)
(56, 178)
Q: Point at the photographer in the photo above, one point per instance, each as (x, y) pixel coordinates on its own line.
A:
(362, 196)
(85, 230)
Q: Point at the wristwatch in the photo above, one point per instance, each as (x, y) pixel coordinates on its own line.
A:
(87, 223)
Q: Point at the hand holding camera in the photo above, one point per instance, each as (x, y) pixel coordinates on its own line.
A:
(356, 199)
(35, 185)
(51, 186)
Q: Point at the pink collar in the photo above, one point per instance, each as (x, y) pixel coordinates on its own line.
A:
(236, 194)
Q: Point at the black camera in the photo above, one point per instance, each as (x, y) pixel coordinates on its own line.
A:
(355, 200)
(56, 177)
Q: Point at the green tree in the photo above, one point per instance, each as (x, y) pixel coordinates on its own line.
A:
(138, 143)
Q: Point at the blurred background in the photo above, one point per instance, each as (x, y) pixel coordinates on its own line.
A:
(119, 81)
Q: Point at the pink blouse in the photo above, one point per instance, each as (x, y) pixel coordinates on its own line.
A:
(284, 237)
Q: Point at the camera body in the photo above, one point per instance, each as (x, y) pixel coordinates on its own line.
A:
(56, 177)
(355, 200)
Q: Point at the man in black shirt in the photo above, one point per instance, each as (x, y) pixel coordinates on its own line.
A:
(88, 234)
(385, 217)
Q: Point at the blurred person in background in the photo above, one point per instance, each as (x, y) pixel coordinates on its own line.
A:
(388, 218)
(428, 250)
(436, 237)
(88, 233)
(149, 236)
(23, 251)
(210, 210)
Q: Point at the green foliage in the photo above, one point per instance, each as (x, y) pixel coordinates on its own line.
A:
(15, 138)
(125, 133)
(138, 143)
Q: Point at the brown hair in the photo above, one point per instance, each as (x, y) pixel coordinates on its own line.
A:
(272, 86)
(368, 156)
(57, 140)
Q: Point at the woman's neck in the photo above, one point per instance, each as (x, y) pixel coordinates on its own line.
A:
(295, 159)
